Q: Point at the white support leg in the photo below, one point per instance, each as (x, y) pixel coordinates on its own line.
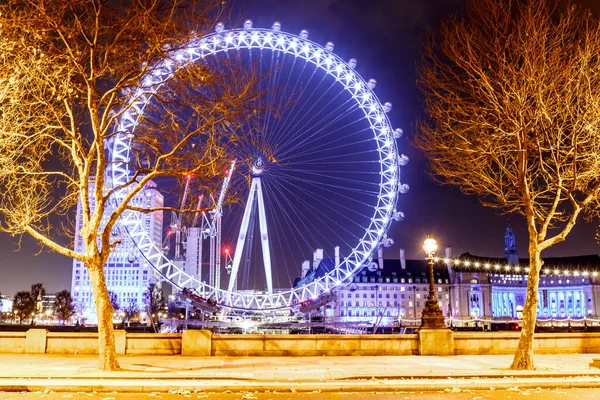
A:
(264, 237)
(237, 255)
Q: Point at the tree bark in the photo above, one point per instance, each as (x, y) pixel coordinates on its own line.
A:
(524, 355)
(104, 312)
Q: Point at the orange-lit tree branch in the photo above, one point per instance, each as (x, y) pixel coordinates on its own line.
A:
(68, 71)
(512, 97)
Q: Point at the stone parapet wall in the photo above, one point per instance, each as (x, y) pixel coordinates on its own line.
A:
(203, 343)
(12, 342)
(313, 345)
(473, 343)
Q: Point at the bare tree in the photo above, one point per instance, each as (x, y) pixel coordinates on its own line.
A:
(23, 306)
(114, 300)
(512, 96)
(69, 69)
(154, 303)
(63, 306)
(130, 310)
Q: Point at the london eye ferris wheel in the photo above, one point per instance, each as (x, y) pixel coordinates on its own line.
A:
(324, 172)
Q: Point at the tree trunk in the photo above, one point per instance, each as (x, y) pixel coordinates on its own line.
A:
(104, 312)
(524, 355)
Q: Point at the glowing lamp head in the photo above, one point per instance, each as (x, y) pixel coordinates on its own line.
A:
(227, 250)
(430, 245)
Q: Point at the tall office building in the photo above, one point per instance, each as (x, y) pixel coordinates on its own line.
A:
(126, 271)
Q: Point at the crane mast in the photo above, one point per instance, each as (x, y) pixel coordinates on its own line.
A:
(215, 233)
(176, 221)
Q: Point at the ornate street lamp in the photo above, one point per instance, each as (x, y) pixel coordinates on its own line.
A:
(433, 316)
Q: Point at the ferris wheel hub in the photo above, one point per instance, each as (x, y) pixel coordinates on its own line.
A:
(258, 166)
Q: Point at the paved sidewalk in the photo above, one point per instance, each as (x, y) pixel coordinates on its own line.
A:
(214, 374)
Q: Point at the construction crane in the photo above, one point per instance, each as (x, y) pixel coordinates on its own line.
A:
(176, 222)
(214, 232)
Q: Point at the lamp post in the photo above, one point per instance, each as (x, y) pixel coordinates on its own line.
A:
(433, 316)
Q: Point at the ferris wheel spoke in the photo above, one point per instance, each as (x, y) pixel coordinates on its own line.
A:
(283, 121)
(342, 111)
(282, 205)
(280, 103)
(294, 215)
(327, 216)
(324, 148)
(282, 97)
(337, 178)
(301, 119)
(294, 115)
(319, 136)
(343, 192)
(293, 201)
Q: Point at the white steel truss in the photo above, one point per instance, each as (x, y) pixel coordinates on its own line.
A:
(255, 193)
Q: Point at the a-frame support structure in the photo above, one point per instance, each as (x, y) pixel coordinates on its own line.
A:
(255, 199)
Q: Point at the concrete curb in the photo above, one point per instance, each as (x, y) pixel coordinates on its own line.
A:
(429, 377)
(371, 385)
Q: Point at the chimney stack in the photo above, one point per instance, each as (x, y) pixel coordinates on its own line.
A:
(402, 259)
(380, 257)
(305, 268)
(317, 258)
(337, 255)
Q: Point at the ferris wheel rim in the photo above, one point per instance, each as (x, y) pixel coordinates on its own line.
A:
(361, 91)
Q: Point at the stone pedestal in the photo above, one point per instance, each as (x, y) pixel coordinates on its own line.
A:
(436, 342)
(120, 341)
(196, 343)
(35, 341)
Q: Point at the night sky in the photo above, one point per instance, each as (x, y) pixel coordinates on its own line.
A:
(383, 35)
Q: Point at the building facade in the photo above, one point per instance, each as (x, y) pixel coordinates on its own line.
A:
(126, 271)
(467, 287)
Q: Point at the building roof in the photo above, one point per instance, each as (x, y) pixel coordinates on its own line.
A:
(417, 270)
(591, 261)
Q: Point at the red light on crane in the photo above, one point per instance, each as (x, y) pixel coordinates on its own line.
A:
(227, 250)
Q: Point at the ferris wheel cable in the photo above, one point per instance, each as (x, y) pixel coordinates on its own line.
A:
(270, 127)
(318, 136)
(311, 206)
(307, 230)
(278, 230)
(337, 178)
(280, 105)
(349, 105)
(271, 94)
(337, 156)
(300, 118)
(326, 147)
(285, 204)
(319, 186)
(312, 124)
(335, 205)
(283, 122)
(293, 114)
